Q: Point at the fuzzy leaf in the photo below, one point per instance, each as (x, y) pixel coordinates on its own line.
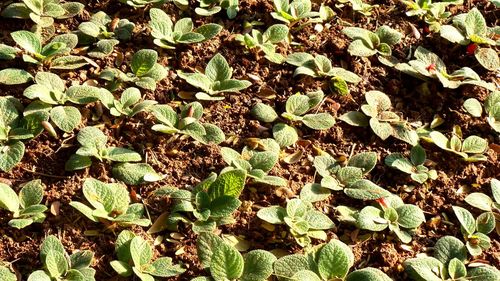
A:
(226, 263)
(135, 173)
(258, 265)
(218, 69)
(13, 76)
(466, 219)
(264, 113)
(10, 155)
(8, 198)
(143, 61)
(273, 214)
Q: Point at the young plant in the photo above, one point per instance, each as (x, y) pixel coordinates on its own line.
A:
(470, 30)
(93, 144)
(390, 212)
(293, 12)
(129, 103)
(358, 6)
(167, 35)
(413, 166)
(135, 257)
(256, 162)
(330, 261)
(434, 14)
(378, 115)
(146, 72)
(110, 204)
(296, 108)
(265, 42)
(320, 66)
(470, 149)
(42, 12)
(26, 208)
(304, 221)
(211, 7)
(224, 262)
(141, 3)
(186, 123)
(55, 54)
(448, 263)
(486, 203)
(215, 81)
(428, 65)
(49, 88)
(211, 202)
(58, 265)
(491, 107)
(475, 231)
(367, 43)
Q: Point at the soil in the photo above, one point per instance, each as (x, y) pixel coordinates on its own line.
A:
(185, 162)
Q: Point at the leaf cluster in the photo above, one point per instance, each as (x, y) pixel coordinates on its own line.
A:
(26, 208)
(414, 166)
(42, 12)
(358, 6)
(470, 149)
(129, 103)
(491, 107)
(266, 42)
(291, 12)
(367, 43)
(475, 231)
(486, 203)
(211, 7)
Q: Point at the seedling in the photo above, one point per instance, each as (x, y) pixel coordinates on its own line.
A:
(320, 66)
(475, 231)
(491, 107)
(54, 54)
(216, 80)
(53, 96)
(93, 144)
(434, 14)
(358, 6)
(58, 265)
(378, 115)
(110, 203)
(26, 208)
(292, 12)
(330, 261)
(141, 3)
(211, 202)
(146, 72)
(167, 35)
(470, 149)
(265, 42)
(448, 263)
(129, 103)
(413, 166)
(486, 203)
(367, 43)
(6, 273)
(42, 12)
(429, 65)
(135, 257)
(304, 221)
(470, 30)
(256, 162)
(297, 106)
(186, 123)
(224, 262)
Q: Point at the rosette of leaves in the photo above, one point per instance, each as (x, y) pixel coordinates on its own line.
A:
(296, 111)
(265, 42)
(414, 166)
(167, 35)
(434, 14)
(475, 231)
(470, 149)
(212, 7)
(58, 265)
(428, 65)
(6, 273)
(129, 103)
(42, 12)
(52, 94)
(330, 261)
(13, 129)
(448, 263)
(378, 115)
(55, 54)
(110, 203)
(486, 203)
(135, 257)
(141, 3)
(215, 81)
(146, 72)
(186, 123)
(367, 43)
(292, 12)
(303, 220)
(491, 107)
(93, 144)
(358, 6)
(320, 66)
(26, 208)
(257, 162)
(224, 262)
(390, 212)
(209, 204)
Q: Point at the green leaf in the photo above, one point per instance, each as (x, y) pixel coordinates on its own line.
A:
(319, 121)
(475, 23)
(120, 154)
(485, 223)
(135, 173)
(31, 193)
(7, 52)
(355, 118)
(371, 218)
(218, 69)
(39, 275)
(314, 192)
(69, 62)
(223, 206)
(77, 162)
(11, 155)
(318, 220)
(424, 268)
(264, 113)
(81, 259)
(276, 33)
(206, 245)
(366, 190)
(480, 201)
(410, 216)
(7, 274)
(488, 58)
(140, 251)
(474, 144)
(55, 263)
(143, 61)
(368, 274)
(285, 135)
(258, 265)
(335, 259)
(66, 118)
(230, 183)
(466, 219)
(8, 198)
(287, 266)
(485, 273)
(305, 275)
(122, 268)
(273, 214)
(297, 104)
(359, 48)
(13, 76)
(163, 267)
(92, 137)
(365, 161)
(448, 248)
(227, 263)
(209, 30)
(28, 41)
